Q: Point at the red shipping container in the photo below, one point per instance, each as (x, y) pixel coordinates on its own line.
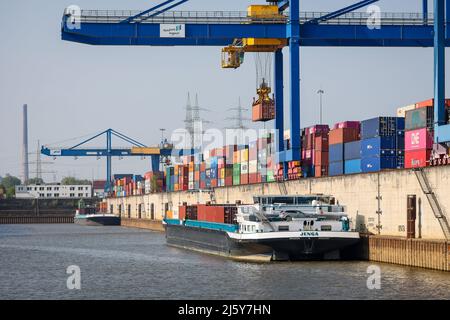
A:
(321, 158)
(308, 154)
(263, 112)
(244, 178)
(321, 143)
(418, 139)
(318, 129)
(229, 181)
(430, 103)
(210, 213)
(343, 135)
(348, 124)
(321, 171)
(253, 177)
(181, 212)
(213, 183)
(417, 158)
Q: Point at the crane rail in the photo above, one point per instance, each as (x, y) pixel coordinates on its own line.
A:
(239, 17)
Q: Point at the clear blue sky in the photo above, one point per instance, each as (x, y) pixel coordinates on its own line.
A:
(74, 90)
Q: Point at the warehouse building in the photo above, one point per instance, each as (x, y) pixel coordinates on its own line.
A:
(52, 191)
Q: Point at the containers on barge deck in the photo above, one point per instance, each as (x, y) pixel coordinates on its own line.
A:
(209, 213)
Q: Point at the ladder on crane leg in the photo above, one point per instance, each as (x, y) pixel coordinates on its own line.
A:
(432, 200)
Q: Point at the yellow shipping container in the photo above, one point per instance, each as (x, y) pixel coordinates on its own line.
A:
(222, 173)
(169, 214)
(262, 11)
(244, 155)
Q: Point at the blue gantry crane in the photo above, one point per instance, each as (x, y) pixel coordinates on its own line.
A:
(158, 26)
(136, 149)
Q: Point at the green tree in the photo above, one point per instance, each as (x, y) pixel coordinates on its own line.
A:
(74, 181)
(9, 183)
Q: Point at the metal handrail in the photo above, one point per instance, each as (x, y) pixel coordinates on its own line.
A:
(234, 17)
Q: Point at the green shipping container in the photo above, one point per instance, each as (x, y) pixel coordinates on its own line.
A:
(236, 180)
(270, 176)
(418, 118)
(236, 169)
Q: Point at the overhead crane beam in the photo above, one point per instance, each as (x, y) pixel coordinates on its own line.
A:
(332, 31)
(137, 150)
(342, 11)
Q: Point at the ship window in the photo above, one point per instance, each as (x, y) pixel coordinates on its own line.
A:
(283, 228)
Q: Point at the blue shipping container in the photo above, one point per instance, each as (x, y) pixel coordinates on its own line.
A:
(400, 140)
(374, 164)
(336, 168)
(336, 152)
(380, 126)
(385, 146)
(352, 150)
(352, 166)
(308, 170)
(400, 124)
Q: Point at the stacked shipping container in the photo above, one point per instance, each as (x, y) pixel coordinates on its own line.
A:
(341, 134)
(382, 143)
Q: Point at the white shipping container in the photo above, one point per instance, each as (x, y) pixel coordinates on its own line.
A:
(402, 110)
(244, 167)
(253, 166)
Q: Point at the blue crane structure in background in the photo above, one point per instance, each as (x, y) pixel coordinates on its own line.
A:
(137, 149)
(342, 28)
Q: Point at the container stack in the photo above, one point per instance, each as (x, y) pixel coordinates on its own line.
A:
(253, 175)
(419, 135)
(237, 167)
(183, 178)
(208, 213)
(381, 143)
(317, 143)
(244, 165)
(153, 182)
(341, 134)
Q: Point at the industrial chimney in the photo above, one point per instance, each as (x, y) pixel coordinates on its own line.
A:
(25, 172)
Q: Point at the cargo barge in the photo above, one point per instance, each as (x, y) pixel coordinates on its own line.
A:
(89, 216)
(273, 229)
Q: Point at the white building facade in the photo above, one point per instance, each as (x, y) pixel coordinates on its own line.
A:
(53, 191)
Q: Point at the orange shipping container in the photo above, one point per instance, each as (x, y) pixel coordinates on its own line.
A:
(343, 135)
(237, 156)
(430, 103)
(263, 112)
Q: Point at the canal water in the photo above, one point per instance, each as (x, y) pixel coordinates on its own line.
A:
(123, 263)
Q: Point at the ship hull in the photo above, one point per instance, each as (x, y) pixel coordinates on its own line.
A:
(279, 246)
(97, 220)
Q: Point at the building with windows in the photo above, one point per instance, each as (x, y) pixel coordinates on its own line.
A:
(53, 191)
